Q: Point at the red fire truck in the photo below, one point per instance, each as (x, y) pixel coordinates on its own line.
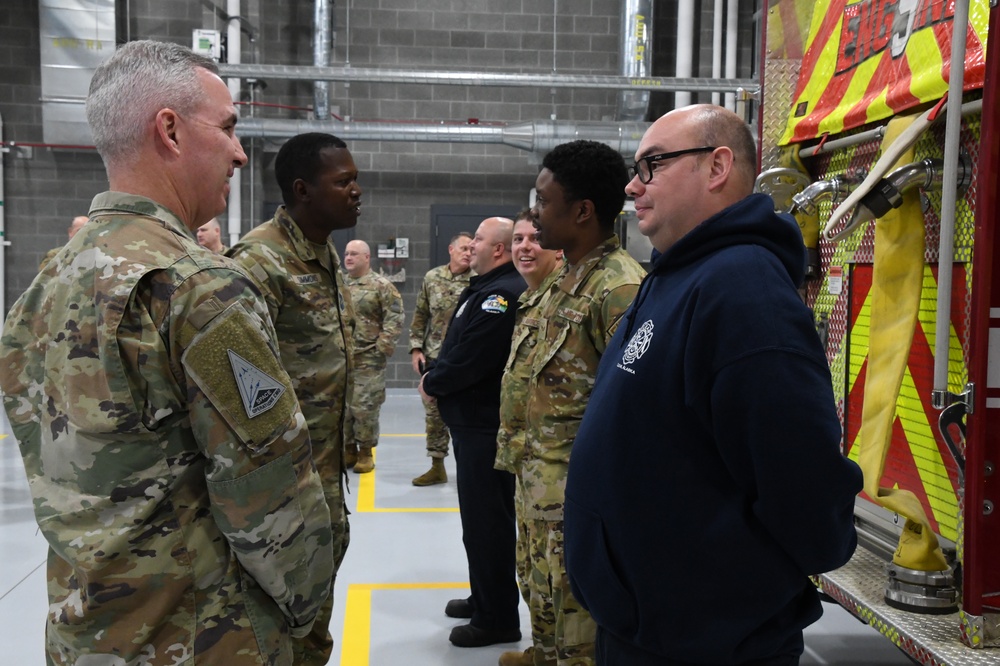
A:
(880, 133)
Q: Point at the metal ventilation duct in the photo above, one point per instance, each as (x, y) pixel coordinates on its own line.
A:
(636, 56)
(75, 37)
(538, 136)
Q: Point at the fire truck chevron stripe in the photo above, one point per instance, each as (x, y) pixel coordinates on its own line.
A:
(856, 71)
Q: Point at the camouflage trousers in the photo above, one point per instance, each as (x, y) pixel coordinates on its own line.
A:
(522, 558)
(437, 432)
(562, 631)
(368, 377)
(316, 647)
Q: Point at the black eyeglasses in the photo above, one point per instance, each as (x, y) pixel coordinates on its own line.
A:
(643, 167)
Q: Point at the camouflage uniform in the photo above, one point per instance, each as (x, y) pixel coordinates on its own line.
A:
(49, 256)
(436, 301)
(513, 397)
(378, 312)
(185, 519)
(577, 318)
(313, 317)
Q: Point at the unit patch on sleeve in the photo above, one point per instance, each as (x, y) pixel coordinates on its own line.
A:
(258, 389)
(233, 364)
(495, 303)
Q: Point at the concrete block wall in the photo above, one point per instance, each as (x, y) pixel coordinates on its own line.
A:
(46, 187)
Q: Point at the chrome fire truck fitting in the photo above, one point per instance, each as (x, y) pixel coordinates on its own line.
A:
(928, 592)
(807, 199)
(927, 174)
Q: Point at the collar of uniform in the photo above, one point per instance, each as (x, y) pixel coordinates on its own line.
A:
(121, 202)
(530, 297)
(490, 275)
(574, 276)
(364, 279)
(303, 248)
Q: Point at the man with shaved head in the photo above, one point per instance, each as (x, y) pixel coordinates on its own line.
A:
(210, 236)
(378, 312)
(686, 482)
(465, 381)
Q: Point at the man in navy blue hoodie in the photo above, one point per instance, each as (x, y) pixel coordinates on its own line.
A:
(707, 482)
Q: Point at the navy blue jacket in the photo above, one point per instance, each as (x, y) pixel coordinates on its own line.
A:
(707, 482)
(465, 378)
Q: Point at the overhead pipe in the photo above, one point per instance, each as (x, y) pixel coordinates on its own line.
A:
(536, 136)
(636, 56)
(321, 57)
(234, 53)
(486, 79)
(717, 46)
(685, 48)
(732, 31)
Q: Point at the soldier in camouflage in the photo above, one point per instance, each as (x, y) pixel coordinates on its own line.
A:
(166, 453)
(296, 264)
(74, 227)
(209, 236)
(378, 311)
(435, 303)
(539, 268)
(580, 192)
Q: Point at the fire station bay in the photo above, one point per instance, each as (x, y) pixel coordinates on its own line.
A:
(474, 332)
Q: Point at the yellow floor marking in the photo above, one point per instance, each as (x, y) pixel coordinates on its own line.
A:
(356, 642)
(366, 494)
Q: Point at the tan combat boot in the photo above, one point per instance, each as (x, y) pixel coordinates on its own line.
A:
(526, 658)
(350, 455)
(365, 462)
(434, 475)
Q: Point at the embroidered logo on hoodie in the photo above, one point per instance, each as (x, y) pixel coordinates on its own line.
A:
(637, 346)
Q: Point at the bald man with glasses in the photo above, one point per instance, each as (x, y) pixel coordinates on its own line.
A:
(711, 445)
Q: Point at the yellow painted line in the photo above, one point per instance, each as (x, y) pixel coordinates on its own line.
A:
(366, 495)
(357, 639)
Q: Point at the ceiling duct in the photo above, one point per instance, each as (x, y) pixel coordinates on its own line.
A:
(636, 56)
(537, 136)
(75, 36)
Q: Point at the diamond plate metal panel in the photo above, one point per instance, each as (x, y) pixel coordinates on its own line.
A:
(780, 77)
(932, 640)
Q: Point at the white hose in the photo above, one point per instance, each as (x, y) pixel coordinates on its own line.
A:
(889, 157)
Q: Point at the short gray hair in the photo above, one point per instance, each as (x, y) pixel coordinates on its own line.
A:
(133, 85)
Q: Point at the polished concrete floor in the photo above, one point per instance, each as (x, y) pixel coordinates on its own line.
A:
(404, 563)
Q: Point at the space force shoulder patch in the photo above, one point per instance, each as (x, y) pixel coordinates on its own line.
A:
(259, 390)
(495, 303)
(231, 361)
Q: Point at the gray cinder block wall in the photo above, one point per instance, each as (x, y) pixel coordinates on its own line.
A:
(46, 187)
